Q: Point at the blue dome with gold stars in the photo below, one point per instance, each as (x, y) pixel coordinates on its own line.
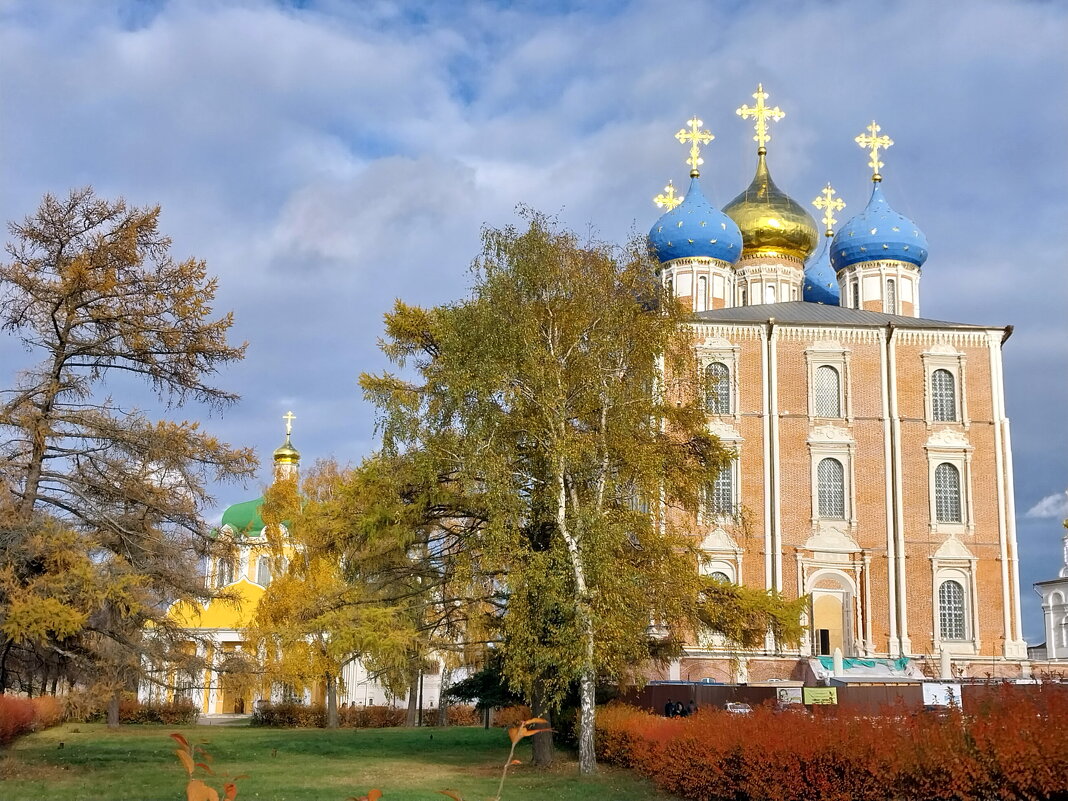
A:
(878, 233)
(821, 284)
(695, 228)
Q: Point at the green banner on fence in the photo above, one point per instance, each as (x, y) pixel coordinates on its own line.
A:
(821, 695)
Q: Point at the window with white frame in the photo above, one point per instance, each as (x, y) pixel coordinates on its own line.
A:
(718, 389)
(890, 303)
(827, 391)
(263, 571)
(856, 294)
(719, 577)
(702, 293)
(947, 493)
(769, 294)
(743, 297)
(943, 396)
(952, 614)
(720, 500)
(830, 489)
(224, 572)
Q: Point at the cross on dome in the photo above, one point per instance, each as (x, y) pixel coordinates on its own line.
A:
(289, 417)
(828, 206)
(668, 199)
(696, 137)
(761, 113)
(873, 143)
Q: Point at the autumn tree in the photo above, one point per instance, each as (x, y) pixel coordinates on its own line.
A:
(91, 290)
(563, 400)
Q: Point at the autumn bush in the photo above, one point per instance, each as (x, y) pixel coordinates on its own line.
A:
(20, 716)
(290, 715)
(1013, 747)
(463, 715)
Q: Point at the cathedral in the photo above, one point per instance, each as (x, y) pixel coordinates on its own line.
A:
(874, 462)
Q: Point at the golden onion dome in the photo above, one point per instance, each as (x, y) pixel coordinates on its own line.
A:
(286, 453)
(772, 222)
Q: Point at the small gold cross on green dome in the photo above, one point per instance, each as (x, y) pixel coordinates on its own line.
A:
(761, 113)
(668, 198)
(828, 206)
(696, 137)
(289, 417)
(873, 143)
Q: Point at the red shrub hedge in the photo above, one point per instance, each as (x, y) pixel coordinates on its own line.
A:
(22, 715)
(1014, 747)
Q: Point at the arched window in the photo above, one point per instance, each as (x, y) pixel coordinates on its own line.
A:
(828, 400)
(943, 396)
(951, 611)
(263, 571)
(830, 484)
(224, 572)
(702, 293)
(947, 493)
(718, 399)
(890, 304)
(721, 494)
(743, 297)
(856, 294)
(720, 577)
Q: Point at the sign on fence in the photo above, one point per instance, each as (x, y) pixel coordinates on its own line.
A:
(788, 695)
(941, 694)
(820, 695)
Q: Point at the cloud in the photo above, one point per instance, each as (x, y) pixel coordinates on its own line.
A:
(1055, 505)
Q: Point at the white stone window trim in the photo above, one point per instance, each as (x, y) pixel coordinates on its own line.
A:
(830, 442)
(962, 571)
(707, 520)
(944, 357)
(960, 456)
(727, 354)
(830, 354)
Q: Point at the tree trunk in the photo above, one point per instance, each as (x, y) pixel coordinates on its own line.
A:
(542, 750)
(113, 710)
(413, 702)
(443, 704)
(331, 701)
(587, 755)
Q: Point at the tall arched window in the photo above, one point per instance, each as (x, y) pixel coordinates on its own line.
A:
(856, 294)
(828, 392)
(702, 293)
(947, 493)
(943, 396)
(830, 485)
(721, 494)
(224, 572)
(890, 305)
(769, 294)
(263, 571)
(718, 400)
(951, 620)
(743, 297)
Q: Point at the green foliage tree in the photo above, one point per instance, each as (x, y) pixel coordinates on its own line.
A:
(90, 288)
(560, 408)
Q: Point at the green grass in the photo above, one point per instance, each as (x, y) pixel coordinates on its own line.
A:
(137, 763)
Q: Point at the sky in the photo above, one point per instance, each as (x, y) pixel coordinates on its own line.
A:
(326, 157)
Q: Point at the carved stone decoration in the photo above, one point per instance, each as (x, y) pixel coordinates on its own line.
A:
(953, 548)
(947, 438)
(724, 430)
(832, 537)
(719, 540)
(829, 433)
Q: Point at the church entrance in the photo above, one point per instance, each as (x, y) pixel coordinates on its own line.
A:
(832, 617)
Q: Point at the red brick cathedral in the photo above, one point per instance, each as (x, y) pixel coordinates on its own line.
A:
(874, 466)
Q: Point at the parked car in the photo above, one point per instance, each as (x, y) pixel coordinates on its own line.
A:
(736, 708)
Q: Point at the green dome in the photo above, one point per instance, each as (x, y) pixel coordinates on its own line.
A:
(244, 518)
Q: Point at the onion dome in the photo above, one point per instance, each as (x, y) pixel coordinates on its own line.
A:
(878, 233)
(286, 453)
(821, 284)
(772, 223)
(244, 518)
(695, 228)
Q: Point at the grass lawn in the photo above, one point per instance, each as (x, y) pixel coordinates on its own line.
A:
(137, 763)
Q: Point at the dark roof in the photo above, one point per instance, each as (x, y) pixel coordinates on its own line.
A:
(803, 312)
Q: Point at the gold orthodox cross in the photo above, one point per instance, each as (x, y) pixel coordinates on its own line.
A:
(696, 137)
(289, 417)
(668, 198)
(873, 143)
(828, 206)
(761, 113)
